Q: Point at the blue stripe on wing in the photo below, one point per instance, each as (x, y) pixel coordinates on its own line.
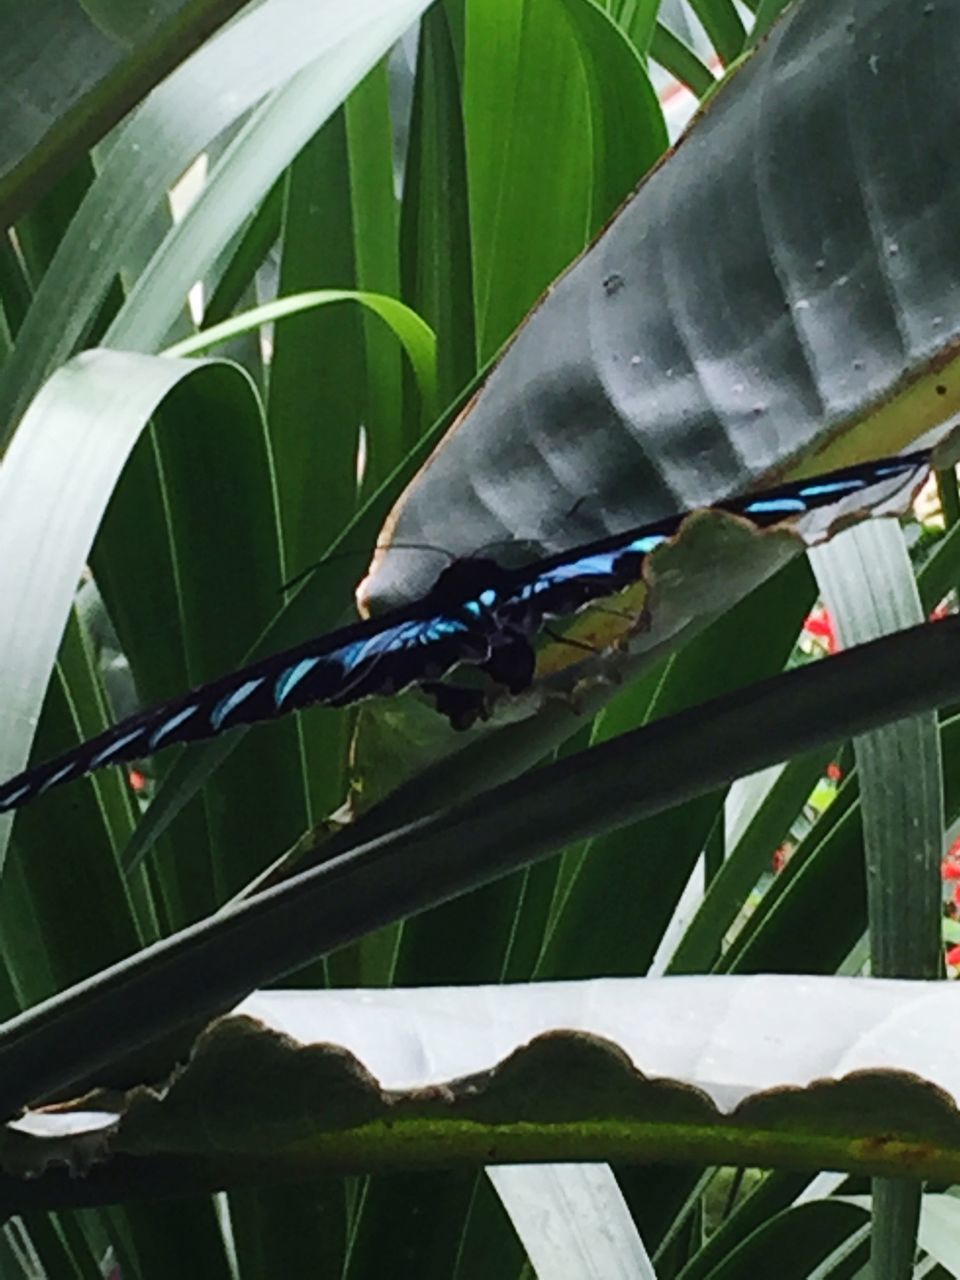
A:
(169, 723)
(232, 701)
(290, 677)
(779, 506)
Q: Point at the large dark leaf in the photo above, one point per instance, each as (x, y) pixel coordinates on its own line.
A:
(780, 291)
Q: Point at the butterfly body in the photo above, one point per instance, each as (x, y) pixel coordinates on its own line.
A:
(477, 613)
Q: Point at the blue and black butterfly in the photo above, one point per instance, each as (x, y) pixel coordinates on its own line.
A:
(477, 613)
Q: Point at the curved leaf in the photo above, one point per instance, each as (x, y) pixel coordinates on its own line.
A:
(249, 166)
(55, 482)
(415, 334)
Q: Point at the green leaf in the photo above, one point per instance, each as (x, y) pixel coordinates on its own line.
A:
(434, 225)
(748, 861)
(627, 132)
(415, 335)
(70, 73)
(868, 584)
(317, 243)
(373, 202)
(250, 249)
(723, 26)
(681, 61)
(797, 1240)
(537, 156)
(869, 587)
(263, 51)
(250, 164)
(67, 458)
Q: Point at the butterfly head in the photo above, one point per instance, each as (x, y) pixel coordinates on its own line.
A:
(472, 585)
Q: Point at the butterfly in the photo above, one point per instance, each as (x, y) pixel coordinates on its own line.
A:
(477, 613)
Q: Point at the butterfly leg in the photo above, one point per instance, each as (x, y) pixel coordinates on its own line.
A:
(511, 663)
(462, 706)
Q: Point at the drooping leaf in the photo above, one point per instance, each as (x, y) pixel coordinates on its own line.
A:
(804, 1071)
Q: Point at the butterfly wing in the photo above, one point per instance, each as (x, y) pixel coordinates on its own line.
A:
(563, 584)
(369, 658)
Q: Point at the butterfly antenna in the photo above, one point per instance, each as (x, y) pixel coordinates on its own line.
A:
(346, 555)
(303, 574)
(574, 644)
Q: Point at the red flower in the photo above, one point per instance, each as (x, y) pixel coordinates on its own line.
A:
(819, 624)
(950, 866)
(137, 780)
(953, 957)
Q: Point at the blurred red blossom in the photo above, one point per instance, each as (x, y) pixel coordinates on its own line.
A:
(819, 625)
(950, 866)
